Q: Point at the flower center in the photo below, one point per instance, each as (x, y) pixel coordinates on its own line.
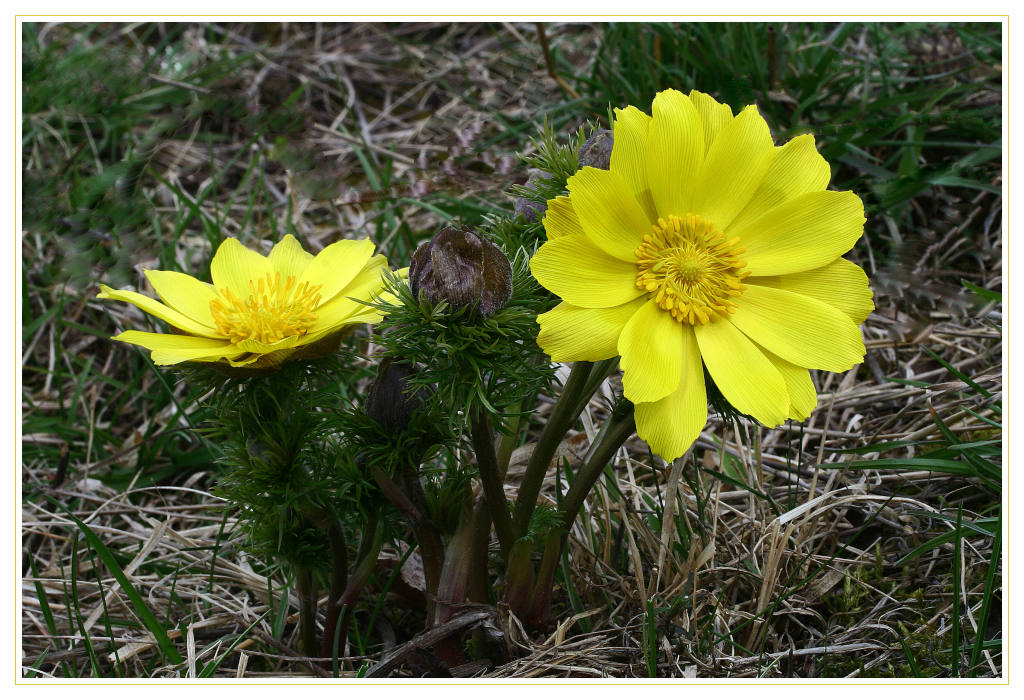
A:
(690, 269)
(273, 310)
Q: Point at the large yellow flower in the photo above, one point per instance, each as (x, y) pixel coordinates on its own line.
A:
(260, 310)
(705, 245)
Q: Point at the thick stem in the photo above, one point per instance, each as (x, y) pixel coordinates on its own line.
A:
(451, 592)
(519, 579)
(307, 610)
(407, 495)
(567, 410)
(340, 605)
(479, 583)
(598, 374)
(540, 603)
(339, 579)
(490, 478)
(479, 580)
(616, 430)
(394, 494)
(427, 536)
(507, 441)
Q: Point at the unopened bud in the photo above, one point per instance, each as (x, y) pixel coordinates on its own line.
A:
(391, 401)
(596, 151)
(527, 208)
(461, 268)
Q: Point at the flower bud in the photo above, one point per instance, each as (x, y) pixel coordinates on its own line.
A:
(596, 151)
(391, 401)
(527, 208)
(461, 268)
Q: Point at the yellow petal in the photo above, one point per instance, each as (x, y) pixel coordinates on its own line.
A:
(343, 311)
(802, 396)
(583, 275)
(336, 265)
(651, 346)
(170, 349)
(348, 306)
(258, 348)
(675, 153)
(313, 346)
(560, 219)
(796, 168)
(734, 167)
(608, 212)
(628, 153)
(262, 361)
(713, 115)
(840, 284)
(288, 258)
(799, 329)
(670, 425)
(155, 308)
(747, 379)
(571, 334)
(234, 265)
(185, 294)
(366, 314)
(806, 232)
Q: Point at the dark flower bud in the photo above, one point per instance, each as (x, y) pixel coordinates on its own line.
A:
(527, 208)
(391, 401)
(463, 269)
(596, 151)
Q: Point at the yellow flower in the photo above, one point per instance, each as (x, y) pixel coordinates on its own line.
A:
(705, 246)
(260, 310)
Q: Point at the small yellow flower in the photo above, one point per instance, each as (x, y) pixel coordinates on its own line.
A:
(705, 246)
(260, 310)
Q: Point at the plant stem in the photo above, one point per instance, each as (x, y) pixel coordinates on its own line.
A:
(451, 591)
(407, 495)
(540, 600)
(598, 374)
(427, 536)
(615, 431)
(343, 595)
(479, 581)
(307, 610)
(391, 492)
(336, 630)
(566, 411)
(490, 477)
(479, 588)
(519, 579)
(339, 579)
(507, 441)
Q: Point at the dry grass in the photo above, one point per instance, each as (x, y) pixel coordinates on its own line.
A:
(794, 575)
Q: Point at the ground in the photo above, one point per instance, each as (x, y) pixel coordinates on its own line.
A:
(864, 542)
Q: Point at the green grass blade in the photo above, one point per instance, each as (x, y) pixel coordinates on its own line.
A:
(138, 604)
(944, 466)
(957, 554)
(986, 599)
(111, 646)
(76, 612)
(957, 373)
(908, 652)
(986, 294)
